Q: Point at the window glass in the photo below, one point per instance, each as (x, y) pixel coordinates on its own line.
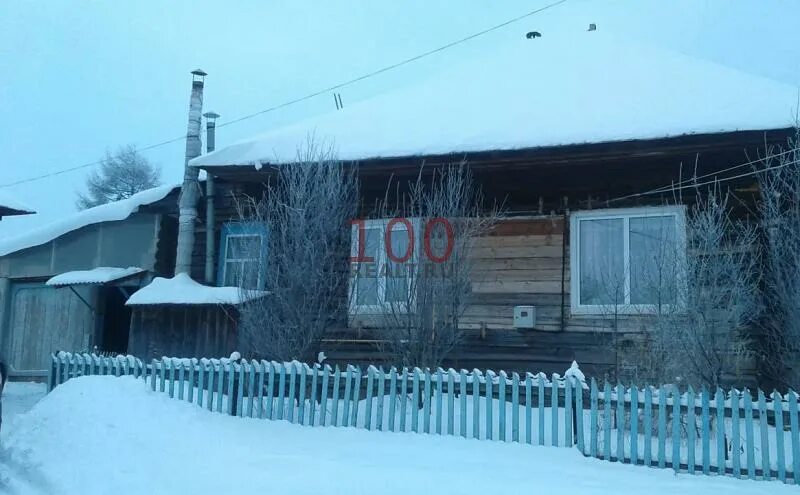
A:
(396, 273)
(653, 260)
(602, 266)
(242, 261)
(244, 247)
(367, 278)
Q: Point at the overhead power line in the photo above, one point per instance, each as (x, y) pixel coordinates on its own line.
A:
(692, 181)
(311, 95)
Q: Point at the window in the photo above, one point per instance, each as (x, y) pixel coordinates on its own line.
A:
(242, 250)
(380, 274)
(627, 260)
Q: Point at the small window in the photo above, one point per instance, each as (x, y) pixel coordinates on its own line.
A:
(380, 282)
(627, 260)
(242, 250)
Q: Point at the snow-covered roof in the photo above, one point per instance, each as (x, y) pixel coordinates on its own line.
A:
(118, 210)
(181, 289)
(99, 275)
(569, 86)
(10, 206)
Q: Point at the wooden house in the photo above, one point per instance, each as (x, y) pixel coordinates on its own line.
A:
(610, 134)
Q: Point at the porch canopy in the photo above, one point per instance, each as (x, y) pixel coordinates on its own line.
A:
(99, 275)
(182, 290)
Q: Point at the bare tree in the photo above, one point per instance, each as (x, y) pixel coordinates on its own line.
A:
(306, 211)
(423, 288)
(121, 175)
(704, 296)
(779, 179)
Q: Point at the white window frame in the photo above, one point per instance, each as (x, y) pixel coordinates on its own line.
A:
(626, 214)
(381, 259)
(225, 260)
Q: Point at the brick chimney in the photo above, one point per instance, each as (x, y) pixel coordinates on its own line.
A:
(190, 190)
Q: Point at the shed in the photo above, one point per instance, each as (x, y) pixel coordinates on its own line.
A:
(63, 286)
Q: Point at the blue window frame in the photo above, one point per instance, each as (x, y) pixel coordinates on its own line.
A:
(242, 255)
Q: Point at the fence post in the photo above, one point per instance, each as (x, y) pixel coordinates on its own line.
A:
(662, 426)
(438, 391)
(777, 404)
(647, 424)
(749, 435)
(403, 398)
(735, 439)
(634, 424)
(379, 395)
(607, 419)
(620, 423)
(239, 383)
(554, 400)
(766, 466)
(51, 373)
(593, 419)
(676, 428)
(501, 401)
(290, 396)
(795, 434)
(540, 399)
(393, 396)
(426, 405)
(569, 418)
(577, 415)
(515, 407)
(301, 395)
(722, 440)
(528, 407)
(476, 401)
(706, 431)
(269, 369)
(462, 385)
(691, 432)
(451, 398)
(312, 400)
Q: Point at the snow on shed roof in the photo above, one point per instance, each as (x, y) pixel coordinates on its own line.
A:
(118, 210)
(99, 275)
(10, 206)
(566, 87)
(181, 289)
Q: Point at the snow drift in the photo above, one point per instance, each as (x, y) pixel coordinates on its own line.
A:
(99, 435)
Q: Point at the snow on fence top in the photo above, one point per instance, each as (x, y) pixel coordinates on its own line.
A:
(181, 289)
(99, 275)
(7, 203)
(568, 87)
(118, 210)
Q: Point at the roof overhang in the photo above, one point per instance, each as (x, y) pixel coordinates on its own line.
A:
(97, 276)
(566, 154)
(9, 211)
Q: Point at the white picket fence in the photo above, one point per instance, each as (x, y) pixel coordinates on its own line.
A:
(733, 433)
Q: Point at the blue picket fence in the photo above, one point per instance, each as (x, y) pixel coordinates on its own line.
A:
(728, 433)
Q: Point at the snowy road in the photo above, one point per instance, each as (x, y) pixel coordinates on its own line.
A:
(100, 435)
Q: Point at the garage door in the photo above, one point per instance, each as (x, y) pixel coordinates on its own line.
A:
(45, 319)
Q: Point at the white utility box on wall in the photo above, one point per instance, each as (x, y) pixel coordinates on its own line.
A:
(524, 316)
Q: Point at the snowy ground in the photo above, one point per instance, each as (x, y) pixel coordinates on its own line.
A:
(19, 398)
(112, 435)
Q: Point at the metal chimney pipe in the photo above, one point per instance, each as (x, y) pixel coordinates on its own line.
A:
(190, 190)
(211, 128)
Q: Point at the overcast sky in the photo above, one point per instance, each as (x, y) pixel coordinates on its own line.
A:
(80, 77)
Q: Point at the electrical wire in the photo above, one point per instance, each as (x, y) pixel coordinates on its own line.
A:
(310, 95)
